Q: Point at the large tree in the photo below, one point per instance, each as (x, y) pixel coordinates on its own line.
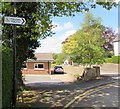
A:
(88, 45)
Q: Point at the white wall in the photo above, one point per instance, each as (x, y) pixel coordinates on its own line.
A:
(116, 48)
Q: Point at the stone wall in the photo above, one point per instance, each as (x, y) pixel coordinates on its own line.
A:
(90, 73)
(84, 73)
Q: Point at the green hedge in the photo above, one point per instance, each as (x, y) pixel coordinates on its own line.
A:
(114, 59)
(7, 72)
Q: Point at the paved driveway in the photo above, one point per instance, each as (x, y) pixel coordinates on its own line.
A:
(45, 79)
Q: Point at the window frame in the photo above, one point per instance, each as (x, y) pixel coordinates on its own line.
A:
(37, 66)
(26, 67)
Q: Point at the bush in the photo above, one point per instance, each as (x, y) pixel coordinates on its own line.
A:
(53, 65)
(108, 60)
(114, 59)
(7, 72)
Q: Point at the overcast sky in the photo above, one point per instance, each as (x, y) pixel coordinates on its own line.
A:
(67, 26)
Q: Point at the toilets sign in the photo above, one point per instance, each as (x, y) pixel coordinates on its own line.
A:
(14, 20)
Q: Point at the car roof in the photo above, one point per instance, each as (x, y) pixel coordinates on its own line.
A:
(58, 66)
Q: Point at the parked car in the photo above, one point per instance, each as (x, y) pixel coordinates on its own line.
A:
(58, 69)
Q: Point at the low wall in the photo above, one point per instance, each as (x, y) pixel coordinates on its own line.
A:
(89, 74)
(104, 68)
(110, 68)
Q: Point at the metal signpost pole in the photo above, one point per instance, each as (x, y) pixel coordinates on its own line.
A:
(14, 21)
(14, 61)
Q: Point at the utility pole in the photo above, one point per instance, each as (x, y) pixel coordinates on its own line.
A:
(14, 62)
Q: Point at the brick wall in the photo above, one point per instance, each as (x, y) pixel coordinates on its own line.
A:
(30, 68)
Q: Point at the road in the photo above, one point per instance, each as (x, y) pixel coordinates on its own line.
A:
(102, 96)
(95, 93)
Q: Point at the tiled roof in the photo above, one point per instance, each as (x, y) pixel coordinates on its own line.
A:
(42, 57)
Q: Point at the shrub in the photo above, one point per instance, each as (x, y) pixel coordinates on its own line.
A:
(7, 72)
(114, 59)
(53, 65)
(108, 60)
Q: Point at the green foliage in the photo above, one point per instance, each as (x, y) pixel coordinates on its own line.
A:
(114, 59)
(53, 65)
(59, 58)
(91, 20)
(108, 60)
(7, 69)
(76, 75)
(85, 45)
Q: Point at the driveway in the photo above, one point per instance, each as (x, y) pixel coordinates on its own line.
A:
(45, 79)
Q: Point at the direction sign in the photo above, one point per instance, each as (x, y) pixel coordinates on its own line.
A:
(14, 20)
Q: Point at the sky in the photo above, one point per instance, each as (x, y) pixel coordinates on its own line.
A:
(67, 26)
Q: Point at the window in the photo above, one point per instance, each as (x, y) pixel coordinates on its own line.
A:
(24, 66)
(39, 66)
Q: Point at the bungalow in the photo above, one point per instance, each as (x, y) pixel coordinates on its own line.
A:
(116, 45)
(40, 65)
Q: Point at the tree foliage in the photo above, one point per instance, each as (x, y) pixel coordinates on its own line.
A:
(59, 58)
(86, 45)
(109, 36)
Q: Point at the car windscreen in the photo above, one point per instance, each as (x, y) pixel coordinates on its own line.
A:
(58, 66)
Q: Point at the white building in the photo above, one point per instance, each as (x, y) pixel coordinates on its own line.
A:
(116, 45)
(66, 62)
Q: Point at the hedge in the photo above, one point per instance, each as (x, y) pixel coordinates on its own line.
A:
(7, 72)
(114, 59)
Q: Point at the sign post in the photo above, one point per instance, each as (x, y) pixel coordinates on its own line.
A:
(14, 94)
(14, 21)
(14, 68)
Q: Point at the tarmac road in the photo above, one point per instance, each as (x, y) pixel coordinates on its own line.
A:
(96, 93)
(102, 96)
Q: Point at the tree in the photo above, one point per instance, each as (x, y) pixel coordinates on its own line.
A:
(85, 45)
(109, 35)
(59, 58)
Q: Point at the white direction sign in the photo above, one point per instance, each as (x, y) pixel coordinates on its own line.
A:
(14, 20)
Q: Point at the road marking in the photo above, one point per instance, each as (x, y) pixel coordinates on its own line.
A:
(85, 94)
